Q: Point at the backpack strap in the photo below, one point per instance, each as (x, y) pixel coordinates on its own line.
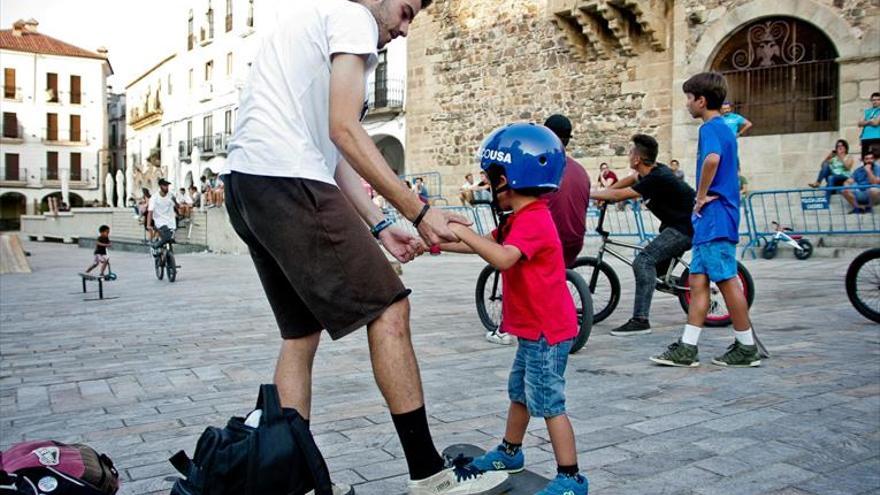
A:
(269, 402)
(309, 449)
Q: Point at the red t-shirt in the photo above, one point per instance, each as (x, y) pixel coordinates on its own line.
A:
(536, 297)
(569, 208)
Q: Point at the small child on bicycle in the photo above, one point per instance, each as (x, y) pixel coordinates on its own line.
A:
(524, 161)
(101, 258)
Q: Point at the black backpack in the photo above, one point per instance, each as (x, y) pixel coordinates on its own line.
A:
(277, 457)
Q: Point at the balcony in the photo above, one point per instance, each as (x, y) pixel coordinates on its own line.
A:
(184, 151)
(12, 134)
(12, 93)
(205, 91)
(65, 137)
(386, 96)
(78, 179)
(205, 144)
(221, 143)
(13, 177)
(146, 113)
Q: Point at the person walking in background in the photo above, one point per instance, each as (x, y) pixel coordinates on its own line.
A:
(676, 170)
(870, 124)
(736, 122)
(836, 167)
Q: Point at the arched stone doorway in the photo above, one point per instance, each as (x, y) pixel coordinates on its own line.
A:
(12, 206)
(392, 150)
(76, 200)
(782, 74)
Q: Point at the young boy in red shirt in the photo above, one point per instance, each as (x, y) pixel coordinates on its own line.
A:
(524, 161)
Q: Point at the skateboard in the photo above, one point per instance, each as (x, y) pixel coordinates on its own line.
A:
(523, 483)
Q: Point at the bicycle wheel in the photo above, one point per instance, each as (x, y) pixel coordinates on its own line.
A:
(160, 266)
(718, 315)
(770, 250)
(170, 266)
(488, 295)
(863, 284)
(583, 304)
(805, 251)
(606, 291)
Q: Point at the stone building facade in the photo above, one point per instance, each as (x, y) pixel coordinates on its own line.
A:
(801, 70)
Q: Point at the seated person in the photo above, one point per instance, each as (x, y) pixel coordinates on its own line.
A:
(837, 166)
(862, 200)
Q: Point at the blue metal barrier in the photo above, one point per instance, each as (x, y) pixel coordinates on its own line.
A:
(809, 212)
(433, 182)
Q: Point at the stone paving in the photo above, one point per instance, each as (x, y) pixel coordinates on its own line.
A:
(140, 377)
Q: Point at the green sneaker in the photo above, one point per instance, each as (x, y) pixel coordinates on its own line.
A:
(679, 354)
(739, 356)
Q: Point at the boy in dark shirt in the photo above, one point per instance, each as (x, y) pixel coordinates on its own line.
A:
(671, 200)
(101, 246)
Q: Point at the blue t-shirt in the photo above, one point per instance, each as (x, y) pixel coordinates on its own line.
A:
(871, 131)
(718, 220)
(860, 175)
(734, 121)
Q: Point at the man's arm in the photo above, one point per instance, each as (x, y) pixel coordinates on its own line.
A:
(872, 177)
(614, 194)
(349, 183)
(347, 83)
(500, 256)
(747, 124)
(710, 167)
(627, 181)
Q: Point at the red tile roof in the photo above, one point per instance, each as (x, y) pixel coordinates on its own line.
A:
(33, 42)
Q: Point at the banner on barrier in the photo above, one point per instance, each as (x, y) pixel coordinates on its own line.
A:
(814, 203)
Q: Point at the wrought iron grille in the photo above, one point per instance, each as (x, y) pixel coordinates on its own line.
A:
(782, 75)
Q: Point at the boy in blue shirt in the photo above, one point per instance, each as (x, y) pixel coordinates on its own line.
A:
(716, 231)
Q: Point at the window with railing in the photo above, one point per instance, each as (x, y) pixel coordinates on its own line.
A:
(51, 165)
(52, 127)
(210, 19)
(75, 130)
(782, 75)
(10, 125)
(11, 171)
(52, 87)
(76, 167)
(75, 90)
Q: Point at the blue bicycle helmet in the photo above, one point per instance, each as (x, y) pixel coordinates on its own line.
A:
(531, 155)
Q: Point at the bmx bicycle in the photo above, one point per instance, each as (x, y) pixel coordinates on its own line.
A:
(803, 248)
(488, 295)
(604, 285)
(163, 260)
(863, 284)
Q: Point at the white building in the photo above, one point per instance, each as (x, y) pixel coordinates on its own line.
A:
(195, 95)
(54, 121)
(116, 141)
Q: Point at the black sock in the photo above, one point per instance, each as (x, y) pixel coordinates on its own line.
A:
(418, 446)
(570, 471)
(510, 448)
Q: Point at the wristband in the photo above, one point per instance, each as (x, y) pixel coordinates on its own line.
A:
(379, 227)
(419, 218)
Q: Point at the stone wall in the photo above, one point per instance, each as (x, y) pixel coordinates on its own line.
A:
(473, 66)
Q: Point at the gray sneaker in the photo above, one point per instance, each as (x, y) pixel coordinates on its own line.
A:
(679, 354)
(739, 356)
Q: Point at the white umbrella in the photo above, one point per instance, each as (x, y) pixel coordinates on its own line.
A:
(108, 189)
(120, 189)
(65, 186)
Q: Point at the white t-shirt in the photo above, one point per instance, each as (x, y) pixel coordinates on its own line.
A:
(163, 211)
(283, 127)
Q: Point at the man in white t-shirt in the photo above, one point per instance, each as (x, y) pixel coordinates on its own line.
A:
(162, 215)
(294, 195)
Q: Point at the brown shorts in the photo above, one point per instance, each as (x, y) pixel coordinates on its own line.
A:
(318, 263)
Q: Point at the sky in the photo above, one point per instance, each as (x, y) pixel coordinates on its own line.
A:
(138, 33)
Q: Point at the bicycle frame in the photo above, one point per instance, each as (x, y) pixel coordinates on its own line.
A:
(780, 235)
(667, 283)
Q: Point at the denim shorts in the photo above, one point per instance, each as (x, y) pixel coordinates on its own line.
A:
(717, 259)
(538, 376)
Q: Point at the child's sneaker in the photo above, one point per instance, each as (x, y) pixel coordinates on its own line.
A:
(461, 479)
(499, 337)
(739, 356)
(567, 485)
(500, 460)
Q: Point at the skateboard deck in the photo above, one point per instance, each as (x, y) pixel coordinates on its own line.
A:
(523, 483)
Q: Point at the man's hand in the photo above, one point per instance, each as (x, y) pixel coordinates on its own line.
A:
(402, 245)
(701, 202)
(434, 227)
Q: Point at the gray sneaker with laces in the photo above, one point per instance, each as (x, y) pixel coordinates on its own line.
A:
(739, 356)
